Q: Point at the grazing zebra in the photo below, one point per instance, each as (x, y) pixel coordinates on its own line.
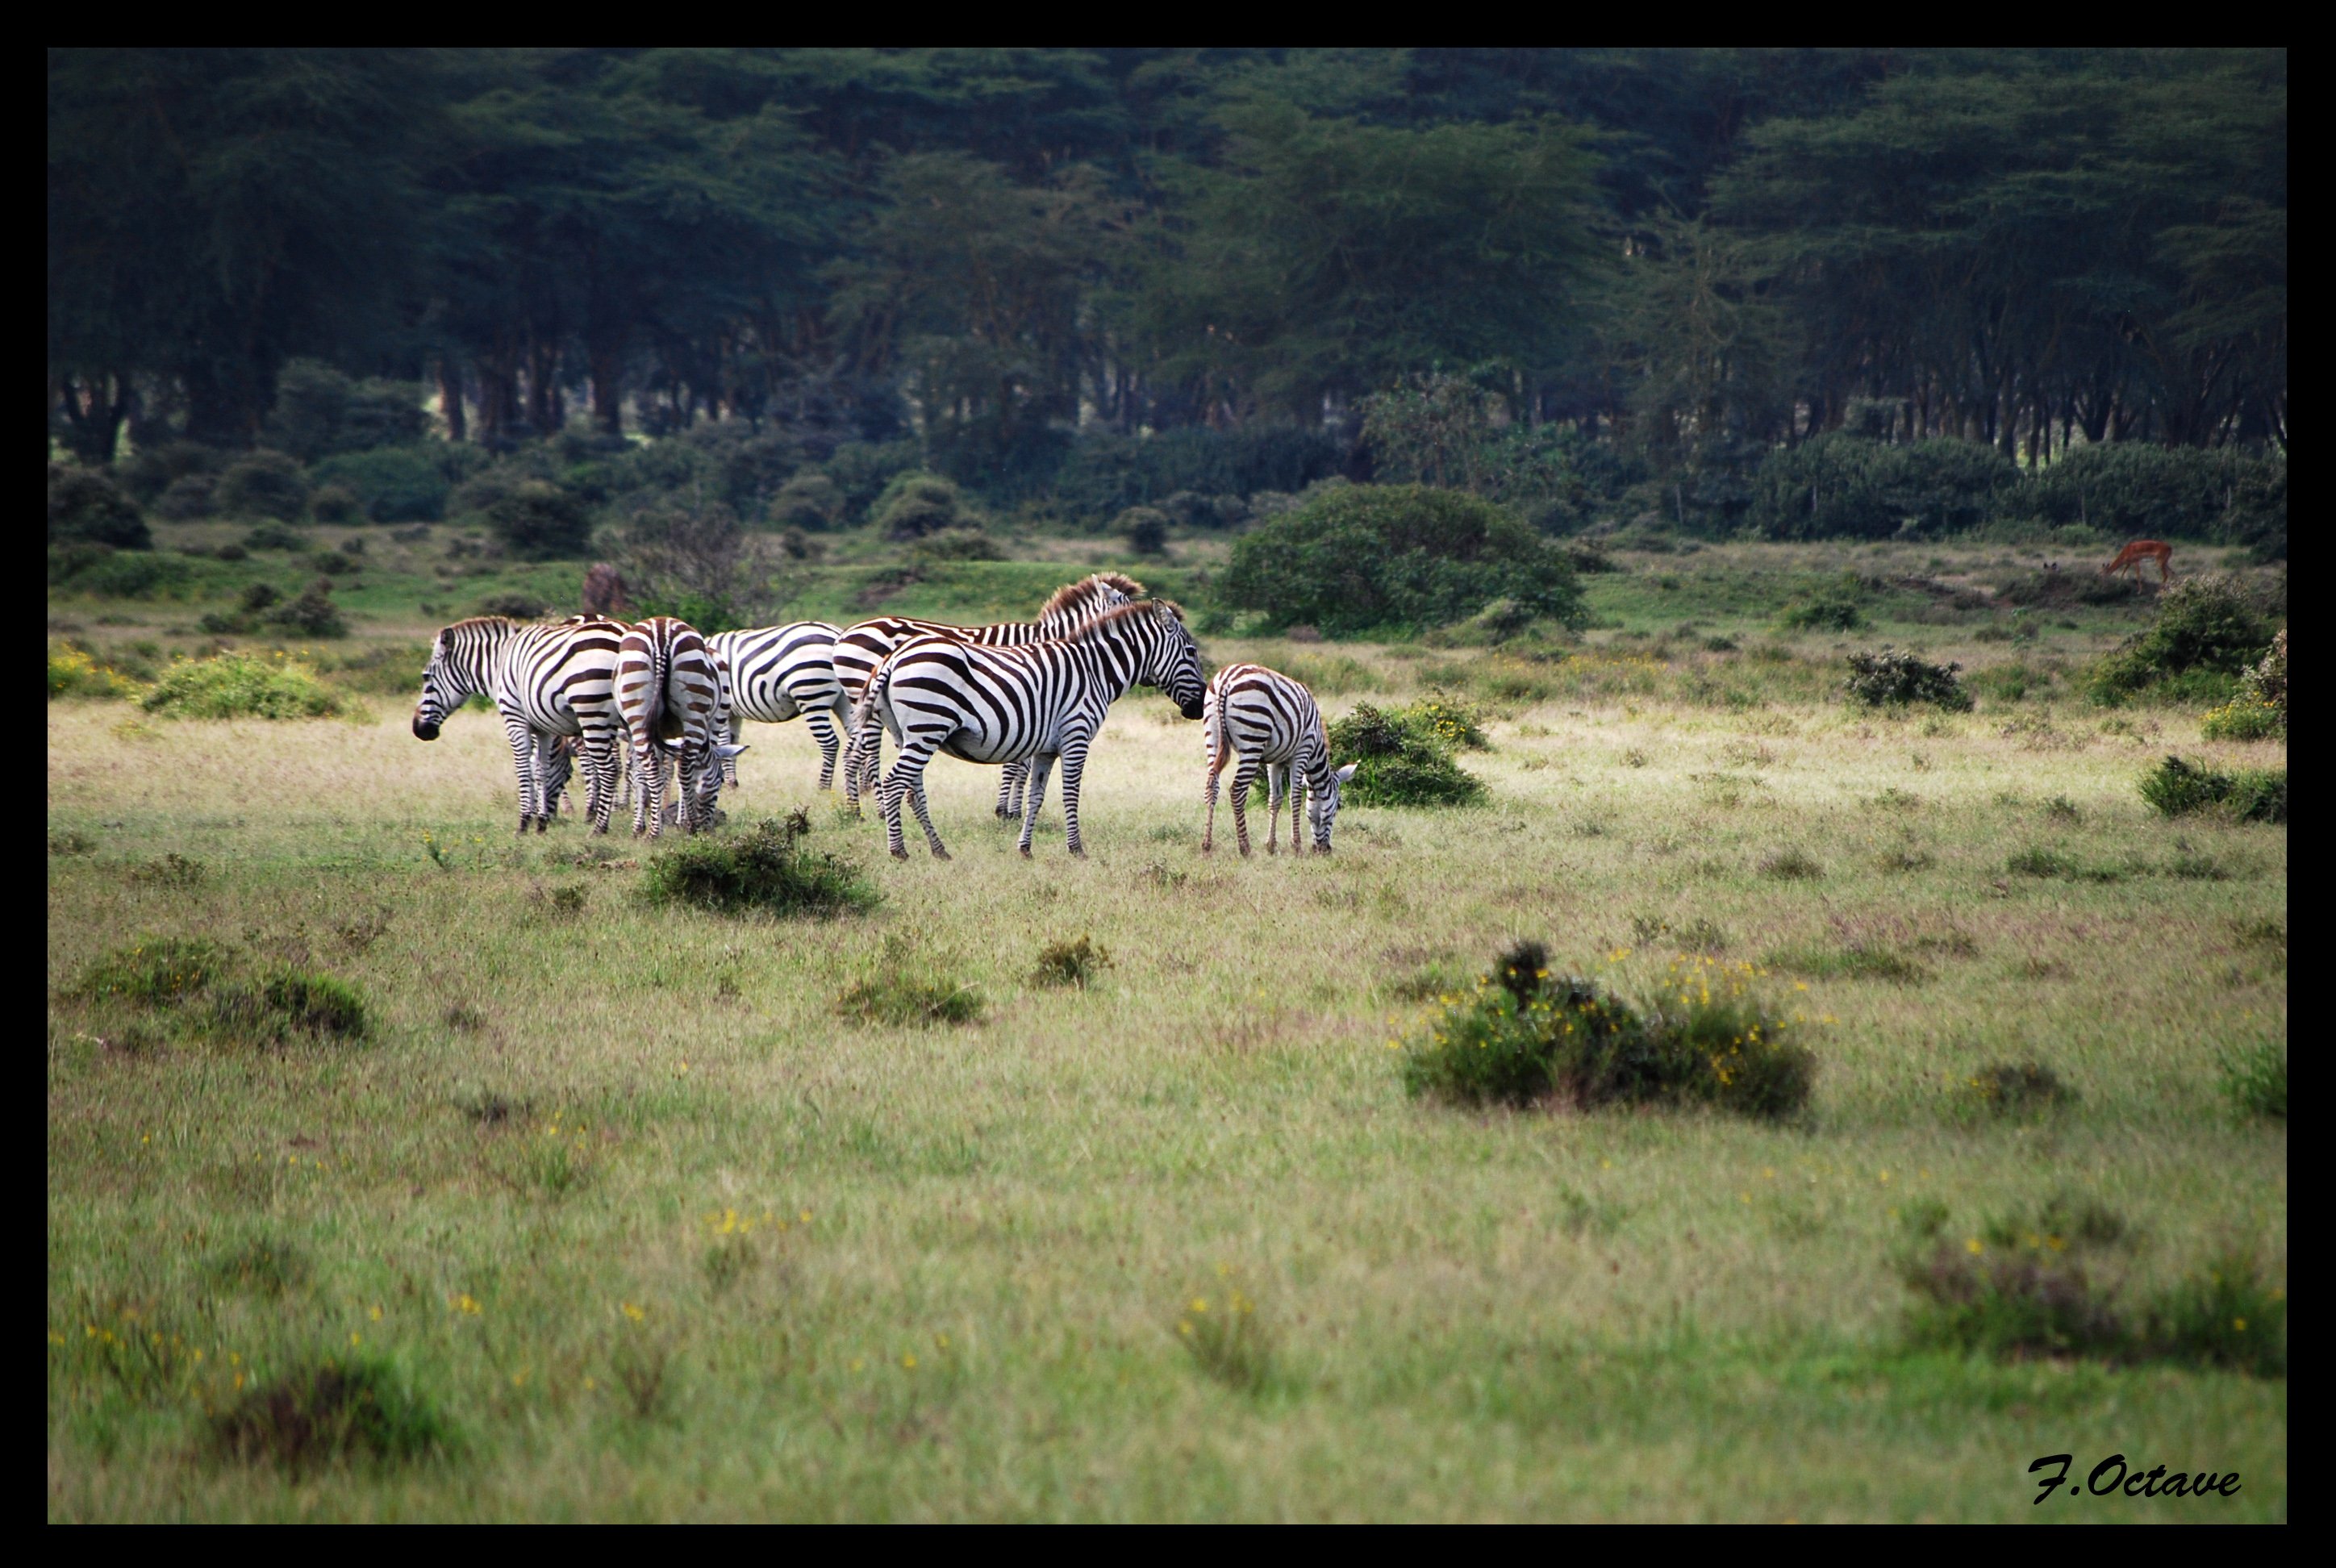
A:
(548, 682)
(778, 672)
(1039, 700)
(860, 650)
(669, 688)
(1270, 721)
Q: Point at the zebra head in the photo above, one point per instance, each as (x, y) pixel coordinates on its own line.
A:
(457, 670)
(1325, 807)
(1172, 660)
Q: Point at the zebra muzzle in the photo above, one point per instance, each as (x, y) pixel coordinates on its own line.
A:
(1193, 709)
(423, 730)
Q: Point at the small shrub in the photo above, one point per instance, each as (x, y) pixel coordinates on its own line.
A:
(232, 551)
(538, 520)
(808, 500)
(2038, 862)
(332, 1411)
(917, 503)
(766, 869)
(172, 871)
(72, 842)
(904, 999)
(2178, 788)
(1791, 864)
(1889, 678)
(2015, 1088)
(2243, 719)
(2222, 1316)
(72, 672)
(958, 544)
(2266, 682)
(1527, 1035)
(1834, 609)
(274, 536)
(264, 484)
(312, 613)
(155, 973)
(187, 498)
(84, 507)
(334, 503)
(2208, 627)
(387, 485)
(241, 686)
(1070, 963)
(1857, 962)
(133, 576)
(516, 606)
(1146, 528)
(1227, 1340)
(334, 562)
(1403, 756)
(2254, 1080)
(290, 1002)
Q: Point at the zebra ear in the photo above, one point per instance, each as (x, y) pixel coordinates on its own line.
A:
(1344, 774)
(725, 749)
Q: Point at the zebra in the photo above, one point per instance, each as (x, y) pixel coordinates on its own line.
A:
(548, 682)
(668, 687)
(1039, 700)
(778, 672)
(861, 649)
(1270, 721)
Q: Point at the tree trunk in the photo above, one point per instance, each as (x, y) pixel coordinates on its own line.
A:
(450, 399)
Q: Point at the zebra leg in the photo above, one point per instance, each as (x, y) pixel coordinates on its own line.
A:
(908, 778)
(1296, 781)
(1009, 796)
(730, 761)
(601, 767)
(1244, 776)
(1074, 762)
(1035, 796)
(1276, 775)
(821, 725)
(522, 745)
(648, 791)
(1209, 793)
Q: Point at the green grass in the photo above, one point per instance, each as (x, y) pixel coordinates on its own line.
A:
(627, 1221)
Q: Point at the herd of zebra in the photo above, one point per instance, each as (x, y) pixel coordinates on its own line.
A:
(622, 699)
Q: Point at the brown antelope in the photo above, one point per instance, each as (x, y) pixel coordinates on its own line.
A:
(2142, 550)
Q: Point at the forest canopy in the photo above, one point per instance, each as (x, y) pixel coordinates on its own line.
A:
(1680, 259)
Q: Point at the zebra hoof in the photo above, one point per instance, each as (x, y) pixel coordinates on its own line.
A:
(1025, 851)
(900, 855)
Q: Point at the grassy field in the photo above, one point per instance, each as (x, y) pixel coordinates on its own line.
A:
(618, 1217)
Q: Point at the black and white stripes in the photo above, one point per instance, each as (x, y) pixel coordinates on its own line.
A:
(669, 688)
(778, 673)
(1041, 701)
(547, 681)
(1269, 720)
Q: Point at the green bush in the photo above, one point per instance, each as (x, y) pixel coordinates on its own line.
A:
(390, 483)
(329, 1412)
(2254, 1080)
(2178, 788)
(1844, 486)
(1893, 679)
(274, 536)
(1076, 963)
(2138, 490)
(84, 507)
(2015, 1088)
(72, 672)
(2266, 682)
(313, 614)
(1366, 558)
(1146, 528)
(241, 686)
(917, 503)
(1403, 757)
(155, 971)
(140, 575)
(862, 470)
(2241, 719)
(766, 869)
(906, 999)
(290, 1003)
(263, 484)
(539, 520)
(1833, 608)
(1527, 1035)
(808, 500)
(150, 471)
(2208, 624)
(320, 411)
(189, 497)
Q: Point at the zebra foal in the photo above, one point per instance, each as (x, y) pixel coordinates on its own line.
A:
(1040, 701)
(1269, 721)
(547, 683)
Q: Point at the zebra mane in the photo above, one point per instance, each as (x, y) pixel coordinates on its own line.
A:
(1117, 613)
(1087, 587)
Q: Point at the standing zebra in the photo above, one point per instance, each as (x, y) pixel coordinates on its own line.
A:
(860, 650)
(547, 681)
(668, 689)
(1039, 700)
(1270, 721)
(778, 672)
